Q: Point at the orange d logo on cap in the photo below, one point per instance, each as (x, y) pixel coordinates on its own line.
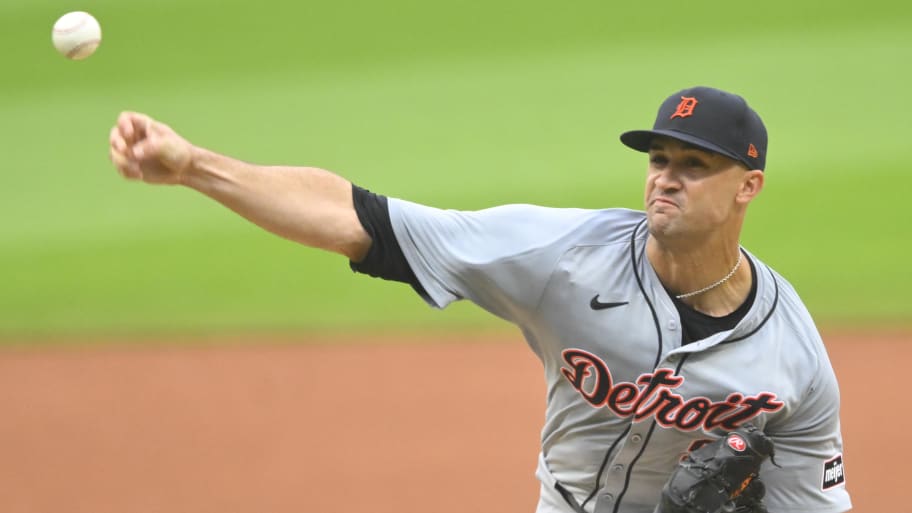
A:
(685, 108)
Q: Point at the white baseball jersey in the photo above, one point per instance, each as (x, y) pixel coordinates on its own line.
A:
(625, 398)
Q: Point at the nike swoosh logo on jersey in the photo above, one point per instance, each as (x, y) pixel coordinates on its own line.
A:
(595, 304)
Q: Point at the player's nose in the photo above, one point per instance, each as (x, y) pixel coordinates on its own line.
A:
(666, 178)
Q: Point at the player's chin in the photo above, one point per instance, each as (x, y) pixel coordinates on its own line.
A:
(661, 224)
(658, 213)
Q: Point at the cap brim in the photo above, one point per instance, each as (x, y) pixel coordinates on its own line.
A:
(640, 140)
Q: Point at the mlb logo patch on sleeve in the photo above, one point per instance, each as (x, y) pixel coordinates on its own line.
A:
(833, 472)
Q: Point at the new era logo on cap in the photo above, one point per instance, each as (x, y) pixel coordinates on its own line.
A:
(711, 119)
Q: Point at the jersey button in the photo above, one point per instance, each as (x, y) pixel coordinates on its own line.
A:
(617, 468)
(672, 325)
(636, 438)
(608, 497)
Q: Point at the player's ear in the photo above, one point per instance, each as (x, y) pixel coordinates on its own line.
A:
(751, 185)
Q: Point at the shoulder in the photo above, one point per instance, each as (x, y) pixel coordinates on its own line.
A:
(793, 314)
(793, 330)
(577, 224)
(580, 226)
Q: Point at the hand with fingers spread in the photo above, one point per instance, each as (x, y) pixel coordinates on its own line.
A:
(145, 149)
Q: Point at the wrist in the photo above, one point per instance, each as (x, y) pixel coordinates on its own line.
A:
(207, 171)
(192, 173)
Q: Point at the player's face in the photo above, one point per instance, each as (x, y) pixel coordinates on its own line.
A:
(690, 191)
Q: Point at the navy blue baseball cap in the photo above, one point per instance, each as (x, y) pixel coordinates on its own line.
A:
(710, 119)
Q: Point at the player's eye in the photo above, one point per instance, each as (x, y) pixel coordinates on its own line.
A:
(695, 162)
(658, 160)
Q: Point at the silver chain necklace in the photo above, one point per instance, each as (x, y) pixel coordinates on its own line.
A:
(716, 284)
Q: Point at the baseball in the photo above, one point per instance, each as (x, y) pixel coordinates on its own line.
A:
(76, 35)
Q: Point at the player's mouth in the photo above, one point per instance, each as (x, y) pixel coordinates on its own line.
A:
(661, 200)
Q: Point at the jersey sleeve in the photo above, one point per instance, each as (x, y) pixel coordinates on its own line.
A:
(499, 258)
(384, 258)
(811, 473)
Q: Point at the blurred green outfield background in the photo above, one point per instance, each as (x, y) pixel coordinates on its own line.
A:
(457, 104)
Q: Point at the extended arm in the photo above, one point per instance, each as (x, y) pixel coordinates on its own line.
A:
(307, 205)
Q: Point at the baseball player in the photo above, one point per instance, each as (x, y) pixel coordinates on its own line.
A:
(658, 332)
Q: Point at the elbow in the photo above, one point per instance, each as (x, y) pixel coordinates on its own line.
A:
(357, 246)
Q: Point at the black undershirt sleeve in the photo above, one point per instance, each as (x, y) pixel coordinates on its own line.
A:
(384, 258)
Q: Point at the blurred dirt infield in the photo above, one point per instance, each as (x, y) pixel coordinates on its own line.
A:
(392, 425)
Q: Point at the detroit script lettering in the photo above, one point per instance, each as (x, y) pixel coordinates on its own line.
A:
(653, 396)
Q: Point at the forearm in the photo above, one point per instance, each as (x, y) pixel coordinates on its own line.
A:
(307, 205)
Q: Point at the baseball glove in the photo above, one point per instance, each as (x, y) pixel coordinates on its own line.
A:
(720, 477)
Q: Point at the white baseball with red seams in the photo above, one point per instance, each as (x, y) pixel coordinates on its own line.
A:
(76, 35)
